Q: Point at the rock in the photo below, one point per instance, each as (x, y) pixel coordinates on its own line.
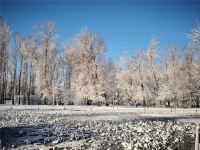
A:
(72, 137)
(134, 140)
(21, 132)
(27, 141)
(140, 130)
(56, 148)
(126, 145)
(145, 146)
(46, 140)
(68, 148)
(55, 142)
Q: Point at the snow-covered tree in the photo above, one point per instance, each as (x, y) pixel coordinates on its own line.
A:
(125, 79)
(142, 92)
(89, 53)
(192, 67)
(109, 83)
(70, 68)
(152, 70)
(4, 56)
(45, 36)
(194, 37)
(35, 65)
(172, 81)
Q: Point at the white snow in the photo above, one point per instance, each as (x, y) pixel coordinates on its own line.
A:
(134, 127)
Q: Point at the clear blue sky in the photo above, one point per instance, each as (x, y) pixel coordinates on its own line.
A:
(122, 24)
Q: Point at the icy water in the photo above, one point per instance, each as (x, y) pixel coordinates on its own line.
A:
(140, 134)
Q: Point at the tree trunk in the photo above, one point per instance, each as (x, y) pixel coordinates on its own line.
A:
(19, 86)
(197, 102)
(14, 84)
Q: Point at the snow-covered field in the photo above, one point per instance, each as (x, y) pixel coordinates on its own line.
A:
(92, 127)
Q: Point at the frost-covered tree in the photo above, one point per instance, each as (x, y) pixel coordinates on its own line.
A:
(24, 58)
(110, 93)
(13, 63)
(152, 70)
(192, 67)
(89, 53)
(4, 59)
(35, 65)
(194, 37)
(171, 89)
(125, 79)
(190, 79)
(164, 91)
(142, 92)
(70, 69)
(45, 36)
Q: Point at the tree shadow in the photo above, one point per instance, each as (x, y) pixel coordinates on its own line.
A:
(192, 118)
(40, 134)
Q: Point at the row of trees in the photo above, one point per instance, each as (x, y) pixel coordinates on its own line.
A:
(80, 73)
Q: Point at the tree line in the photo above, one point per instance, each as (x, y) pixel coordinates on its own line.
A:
(80, 72)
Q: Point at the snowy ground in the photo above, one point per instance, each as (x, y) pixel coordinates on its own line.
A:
(84, 127)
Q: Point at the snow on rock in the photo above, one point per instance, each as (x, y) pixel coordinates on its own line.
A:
(107, 135)
(43, 129)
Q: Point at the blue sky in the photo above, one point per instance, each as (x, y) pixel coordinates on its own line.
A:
(122, 24)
